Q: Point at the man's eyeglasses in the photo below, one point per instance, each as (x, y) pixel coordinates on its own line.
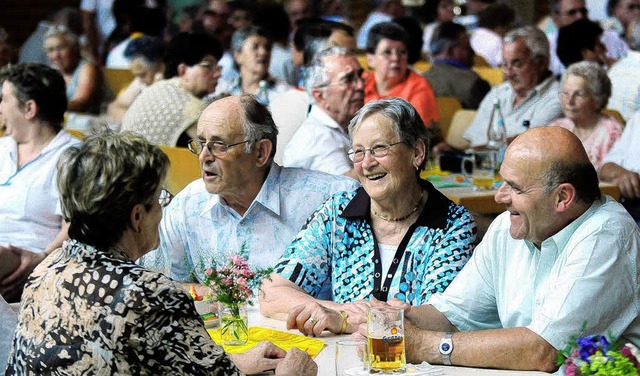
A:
(216, 148)
(574, 12)
(165, 197)
(210, 65)
(378, 151)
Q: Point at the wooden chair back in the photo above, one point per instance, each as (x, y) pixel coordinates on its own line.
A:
(117, 79)
(459, 123)
(493, 76)
(614, 114)
(447, 107)
(184, 169)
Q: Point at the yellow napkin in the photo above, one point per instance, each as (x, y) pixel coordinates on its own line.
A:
(283, 340)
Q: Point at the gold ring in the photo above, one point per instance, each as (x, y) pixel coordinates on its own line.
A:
(313, 321)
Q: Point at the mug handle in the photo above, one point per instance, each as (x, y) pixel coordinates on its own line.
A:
(467, 175)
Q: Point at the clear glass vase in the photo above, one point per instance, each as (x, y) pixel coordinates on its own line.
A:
(234, 327)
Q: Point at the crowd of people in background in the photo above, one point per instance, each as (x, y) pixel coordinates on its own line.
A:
(311, 129)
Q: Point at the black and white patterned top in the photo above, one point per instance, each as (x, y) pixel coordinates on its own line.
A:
(90, 312)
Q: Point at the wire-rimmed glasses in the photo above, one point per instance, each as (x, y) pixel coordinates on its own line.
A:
(377, 151)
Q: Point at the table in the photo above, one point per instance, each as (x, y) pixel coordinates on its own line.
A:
(326, 358)
(483, 202)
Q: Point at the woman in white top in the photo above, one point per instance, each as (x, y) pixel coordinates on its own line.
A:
(31, 224)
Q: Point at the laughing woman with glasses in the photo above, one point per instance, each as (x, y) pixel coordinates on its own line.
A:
(395, 237)
(90, 309)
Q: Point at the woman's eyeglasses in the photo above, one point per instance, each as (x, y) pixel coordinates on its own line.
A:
(378, 151)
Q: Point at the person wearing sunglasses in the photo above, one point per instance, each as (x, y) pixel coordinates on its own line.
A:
(395, 237)
(565, 12)
(89, 308)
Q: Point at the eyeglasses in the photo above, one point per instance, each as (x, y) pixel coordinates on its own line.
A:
(389, 52)
(165, 197)
(574, 12)
(210, 65)
(378, 151)
(216, 148)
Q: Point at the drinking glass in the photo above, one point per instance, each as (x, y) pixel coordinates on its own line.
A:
(351, 358)
(480, 169)
(385, 333)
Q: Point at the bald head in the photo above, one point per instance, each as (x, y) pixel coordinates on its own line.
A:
(555, 155)
(550, 145)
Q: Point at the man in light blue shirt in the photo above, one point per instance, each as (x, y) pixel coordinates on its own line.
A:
(560, 256)
(243, 199)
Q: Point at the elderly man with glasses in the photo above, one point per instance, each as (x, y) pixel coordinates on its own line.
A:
(528, 98)
(322, 142)
(243, 198)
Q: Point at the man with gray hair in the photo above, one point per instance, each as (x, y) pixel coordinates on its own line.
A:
(529, 97)
(243, 199)
(334, 80)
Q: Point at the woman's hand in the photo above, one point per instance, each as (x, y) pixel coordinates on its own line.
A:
(264, 357)
(297, 363)
(312, 319)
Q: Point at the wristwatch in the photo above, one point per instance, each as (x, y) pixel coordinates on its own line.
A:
(445, 348)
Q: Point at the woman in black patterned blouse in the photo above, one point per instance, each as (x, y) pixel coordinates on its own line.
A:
(89, 309)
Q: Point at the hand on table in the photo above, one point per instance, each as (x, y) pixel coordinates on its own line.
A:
(264, 357)
(297, 363)
(311, 319)
(12, 284)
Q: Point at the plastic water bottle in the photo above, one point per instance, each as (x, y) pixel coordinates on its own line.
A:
(497, 132)
(263, 96)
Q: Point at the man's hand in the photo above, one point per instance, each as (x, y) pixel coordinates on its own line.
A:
(11, 286)
(264, 357)
(297, 363)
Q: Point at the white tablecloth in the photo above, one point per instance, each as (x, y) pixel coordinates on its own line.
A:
(326, 358)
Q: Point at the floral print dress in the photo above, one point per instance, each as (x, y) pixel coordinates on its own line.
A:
(85, 311)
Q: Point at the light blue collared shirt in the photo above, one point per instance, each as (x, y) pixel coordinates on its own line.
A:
(587, 272)
(198, 226)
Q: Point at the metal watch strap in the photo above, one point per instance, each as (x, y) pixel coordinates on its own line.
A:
(445, 348)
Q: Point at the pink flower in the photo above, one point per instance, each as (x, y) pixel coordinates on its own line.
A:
(208, 272)
(242, 282)
(571, 369)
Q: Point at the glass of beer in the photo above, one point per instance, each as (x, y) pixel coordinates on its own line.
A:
(480, 169)
(385, 334)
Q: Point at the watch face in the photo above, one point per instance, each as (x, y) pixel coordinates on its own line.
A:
(446, 346)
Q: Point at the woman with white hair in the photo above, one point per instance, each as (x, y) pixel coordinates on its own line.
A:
(82, 77)
(585, 90)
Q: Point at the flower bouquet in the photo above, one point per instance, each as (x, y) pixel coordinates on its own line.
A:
(596, 355)
(232, 285)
